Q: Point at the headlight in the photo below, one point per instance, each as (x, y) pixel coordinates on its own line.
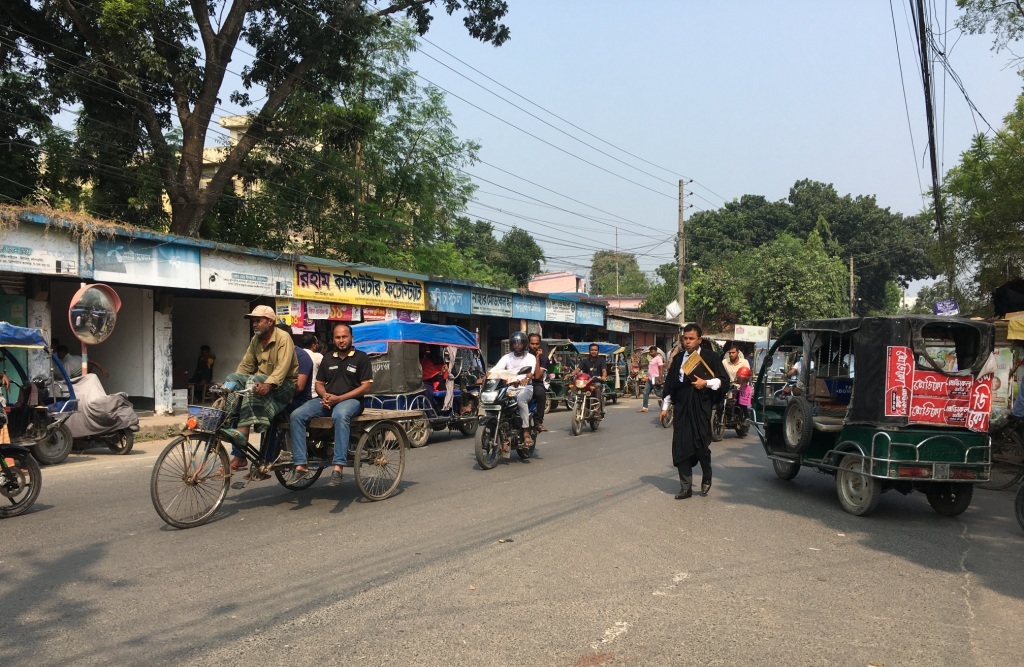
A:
(488, 396)
(580, 384)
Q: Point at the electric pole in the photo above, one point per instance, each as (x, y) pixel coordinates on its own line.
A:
(851, 285)
(681, 297)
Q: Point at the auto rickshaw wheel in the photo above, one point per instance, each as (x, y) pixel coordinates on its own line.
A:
(717, 425)
(858, 493)
(418, 432)
(798, 426)
(1018, 507)
(786, 470)
(380, 460)
(55, 448)
(949, 499)
(552, 405)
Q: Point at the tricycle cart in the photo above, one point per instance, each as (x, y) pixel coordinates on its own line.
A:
(882, 403)
(432, 369)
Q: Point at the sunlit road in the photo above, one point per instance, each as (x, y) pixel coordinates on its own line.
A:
(599, 566)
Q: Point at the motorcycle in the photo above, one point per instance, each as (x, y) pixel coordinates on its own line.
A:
(585, 405)
(501, 426)
(102, 420)
(729, 414)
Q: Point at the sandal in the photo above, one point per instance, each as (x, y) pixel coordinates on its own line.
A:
(527, 441)
(239, 464)
(642, 410)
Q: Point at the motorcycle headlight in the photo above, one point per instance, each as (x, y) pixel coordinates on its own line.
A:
(580, 384)
(488, 396)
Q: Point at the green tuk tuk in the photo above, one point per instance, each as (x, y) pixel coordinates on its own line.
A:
(882, 403)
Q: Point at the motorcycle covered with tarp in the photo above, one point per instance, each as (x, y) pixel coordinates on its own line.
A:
(432, 368)
(883, 403)
(102, 420)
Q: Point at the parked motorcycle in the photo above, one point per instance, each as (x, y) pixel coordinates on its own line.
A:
(501, 426)
(102, 420)
(586, 407)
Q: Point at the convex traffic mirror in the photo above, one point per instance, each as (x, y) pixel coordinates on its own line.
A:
(93, 313)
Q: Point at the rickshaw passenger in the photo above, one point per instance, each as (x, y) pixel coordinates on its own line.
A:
(519, 357)
(270, 368)
(345, 376)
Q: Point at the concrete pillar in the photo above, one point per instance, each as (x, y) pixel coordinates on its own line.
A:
(163, 361)
(39, 317)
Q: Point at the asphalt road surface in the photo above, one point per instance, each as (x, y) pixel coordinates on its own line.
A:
(578, 558)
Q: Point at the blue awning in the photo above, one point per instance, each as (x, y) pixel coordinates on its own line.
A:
(12, 336)
(373, 337)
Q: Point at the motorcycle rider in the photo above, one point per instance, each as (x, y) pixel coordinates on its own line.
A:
(518, 358)
(539, 390)
(595, 365)
(733, 362)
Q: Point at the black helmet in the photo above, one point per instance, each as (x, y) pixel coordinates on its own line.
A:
(517, 342)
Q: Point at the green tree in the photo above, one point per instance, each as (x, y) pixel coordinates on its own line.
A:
(158, 65)
(1004, 20)
(519, 256)
(616, 273)
(986, 196)
(664, 291)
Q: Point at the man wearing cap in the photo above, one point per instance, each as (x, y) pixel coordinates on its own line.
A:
(270, 369)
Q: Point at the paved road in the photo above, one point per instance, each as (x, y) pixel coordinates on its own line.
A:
(599, 566)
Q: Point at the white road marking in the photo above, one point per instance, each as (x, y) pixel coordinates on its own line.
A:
(611, 634)
(676, 580)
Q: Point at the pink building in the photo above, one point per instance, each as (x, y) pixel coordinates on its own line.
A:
(559, 282)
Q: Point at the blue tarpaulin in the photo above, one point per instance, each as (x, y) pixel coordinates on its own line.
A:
(602, 348)
(373, 337)
(12, 336)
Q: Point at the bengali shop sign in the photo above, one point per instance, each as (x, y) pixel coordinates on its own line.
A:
(494, 305)
(37, 249)
(560, 311)
(363, 288)
(929, 397)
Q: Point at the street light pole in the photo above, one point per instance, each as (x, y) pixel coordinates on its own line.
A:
(681, 296)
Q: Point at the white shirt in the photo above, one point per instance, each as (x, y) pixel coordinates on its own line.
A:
(510, 362)
(316, 357)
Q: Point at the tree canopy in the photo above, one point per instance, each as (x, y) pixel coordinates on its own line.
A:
(149, 77)
(614, 273)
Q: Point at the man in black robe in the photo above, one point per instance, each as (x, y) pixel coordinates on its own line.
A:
(691, 395)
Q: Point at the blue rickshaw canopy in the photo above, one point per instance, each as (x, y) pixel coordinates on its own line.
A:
(14, 336)
(373, 337)
(602, 348)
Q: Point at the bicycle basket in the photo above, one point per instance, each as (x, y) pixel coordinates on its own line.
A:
(202, 418)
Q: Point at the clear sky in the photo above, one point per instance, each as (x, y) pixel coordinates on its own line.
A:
(743, 97)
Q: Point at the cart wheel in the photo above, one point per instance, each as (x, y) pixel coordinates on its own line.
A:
(786, 470)
(859, 494)
(717, 425)
(949, 499)
(799, 424)
(124, 442)
(1018, 507)
(306, 482)
(189, 481)
(1007, 462)
(486, 449)
(380, 460)
(55, 448)
(19, 486)
(418, 432)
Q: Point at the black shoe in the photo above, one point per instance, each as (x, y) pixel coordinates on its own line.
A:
(683, 495)
(335, 479)
(298, 476)
(705, 487)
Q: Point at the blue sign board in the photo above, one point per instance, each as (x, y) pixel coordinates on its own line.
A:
(448, 299)
(528, 308)
(946, 307)
(587, 314)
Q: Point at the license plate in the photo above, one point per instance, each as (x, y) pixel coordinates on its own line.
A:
(940, 471)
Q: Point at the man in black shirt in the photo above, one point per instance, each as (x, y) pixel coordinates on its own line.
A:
(344, 377)
(539, 391)
(595, 365)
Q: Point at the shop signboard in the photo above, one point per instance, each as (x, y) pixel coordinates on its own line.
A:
(947, 307)
(144, 262)
(226, 272)
(589, 314)
(528, 308)
(750, 334)
(620, 326)
(332, 311)
(38, 249)
(449, 299)
(494, 305)
(358, 287)
(560, 311)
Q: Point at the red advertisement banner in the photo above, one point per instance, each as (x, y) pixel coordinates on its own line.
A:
(930, 397)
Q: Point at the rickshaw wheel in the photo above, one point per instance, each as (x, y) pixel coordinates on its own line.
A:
(786, 470)
(1018, 507)
(949, 499)
(487, 451)
(189, 481)
(20, 492)
(717, 425)
(55, 448)
(799, 424)
(858, 494)
(305, 483)
(380, 460)
(418, 432)
(1007, 462)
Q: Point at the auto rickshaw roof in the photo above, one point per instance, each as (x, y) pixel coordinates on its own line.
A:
(373, 337)
(602, 348)
(15, 336)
